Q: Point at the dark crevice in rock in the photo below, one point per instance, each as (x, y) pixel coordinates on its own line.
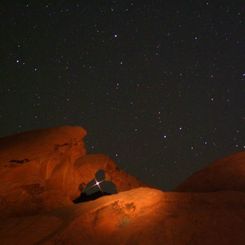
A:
(57, 146)
(85, 198)
(19, 161)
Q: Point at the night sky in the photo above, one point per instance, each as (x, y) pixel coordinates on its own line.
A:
(158, 85)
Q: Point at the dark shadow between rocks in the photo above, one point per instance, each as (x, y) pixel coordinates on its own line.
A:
(85, 198)
(96, 188)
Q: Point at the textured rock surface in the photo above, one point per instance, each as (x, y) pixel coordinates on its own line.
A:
(43, 169)
(40, 173)
(138, 216)
(224, 174)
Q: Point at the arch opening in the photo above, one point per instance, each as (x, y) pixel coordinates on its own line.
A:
(96, 188)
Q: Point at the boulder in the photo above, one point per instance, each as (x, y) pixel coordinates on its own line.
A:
(226, 174)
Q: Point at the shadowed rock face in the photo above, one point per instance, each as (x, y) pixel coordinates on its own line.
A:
(227, 174)
(40, 174)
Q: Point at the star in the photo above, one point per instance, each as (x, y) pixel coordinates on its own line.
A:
(97, 184)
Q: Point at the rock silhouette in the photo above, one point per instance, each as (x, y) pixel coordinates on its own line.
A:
(227, 174)
(36, 198)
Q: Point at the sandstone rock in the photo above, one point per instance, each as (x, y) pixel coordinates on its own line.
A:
(40, 173)
(138, 216)
(225, 174)
(43, 169)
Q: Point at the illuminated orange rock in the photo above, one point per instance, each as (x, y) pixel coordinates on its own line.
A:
(222, 175)
(43, 169)
(40, 173)
(138, 216)
(149, 216)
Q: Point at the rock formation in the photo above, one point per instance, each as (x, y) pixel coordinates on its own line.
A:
(40, 173)
(138, 216)
(227, 174)
(43, 170)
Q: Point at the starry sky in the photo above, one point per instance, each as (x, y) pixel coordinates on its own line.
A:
(158, 85)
